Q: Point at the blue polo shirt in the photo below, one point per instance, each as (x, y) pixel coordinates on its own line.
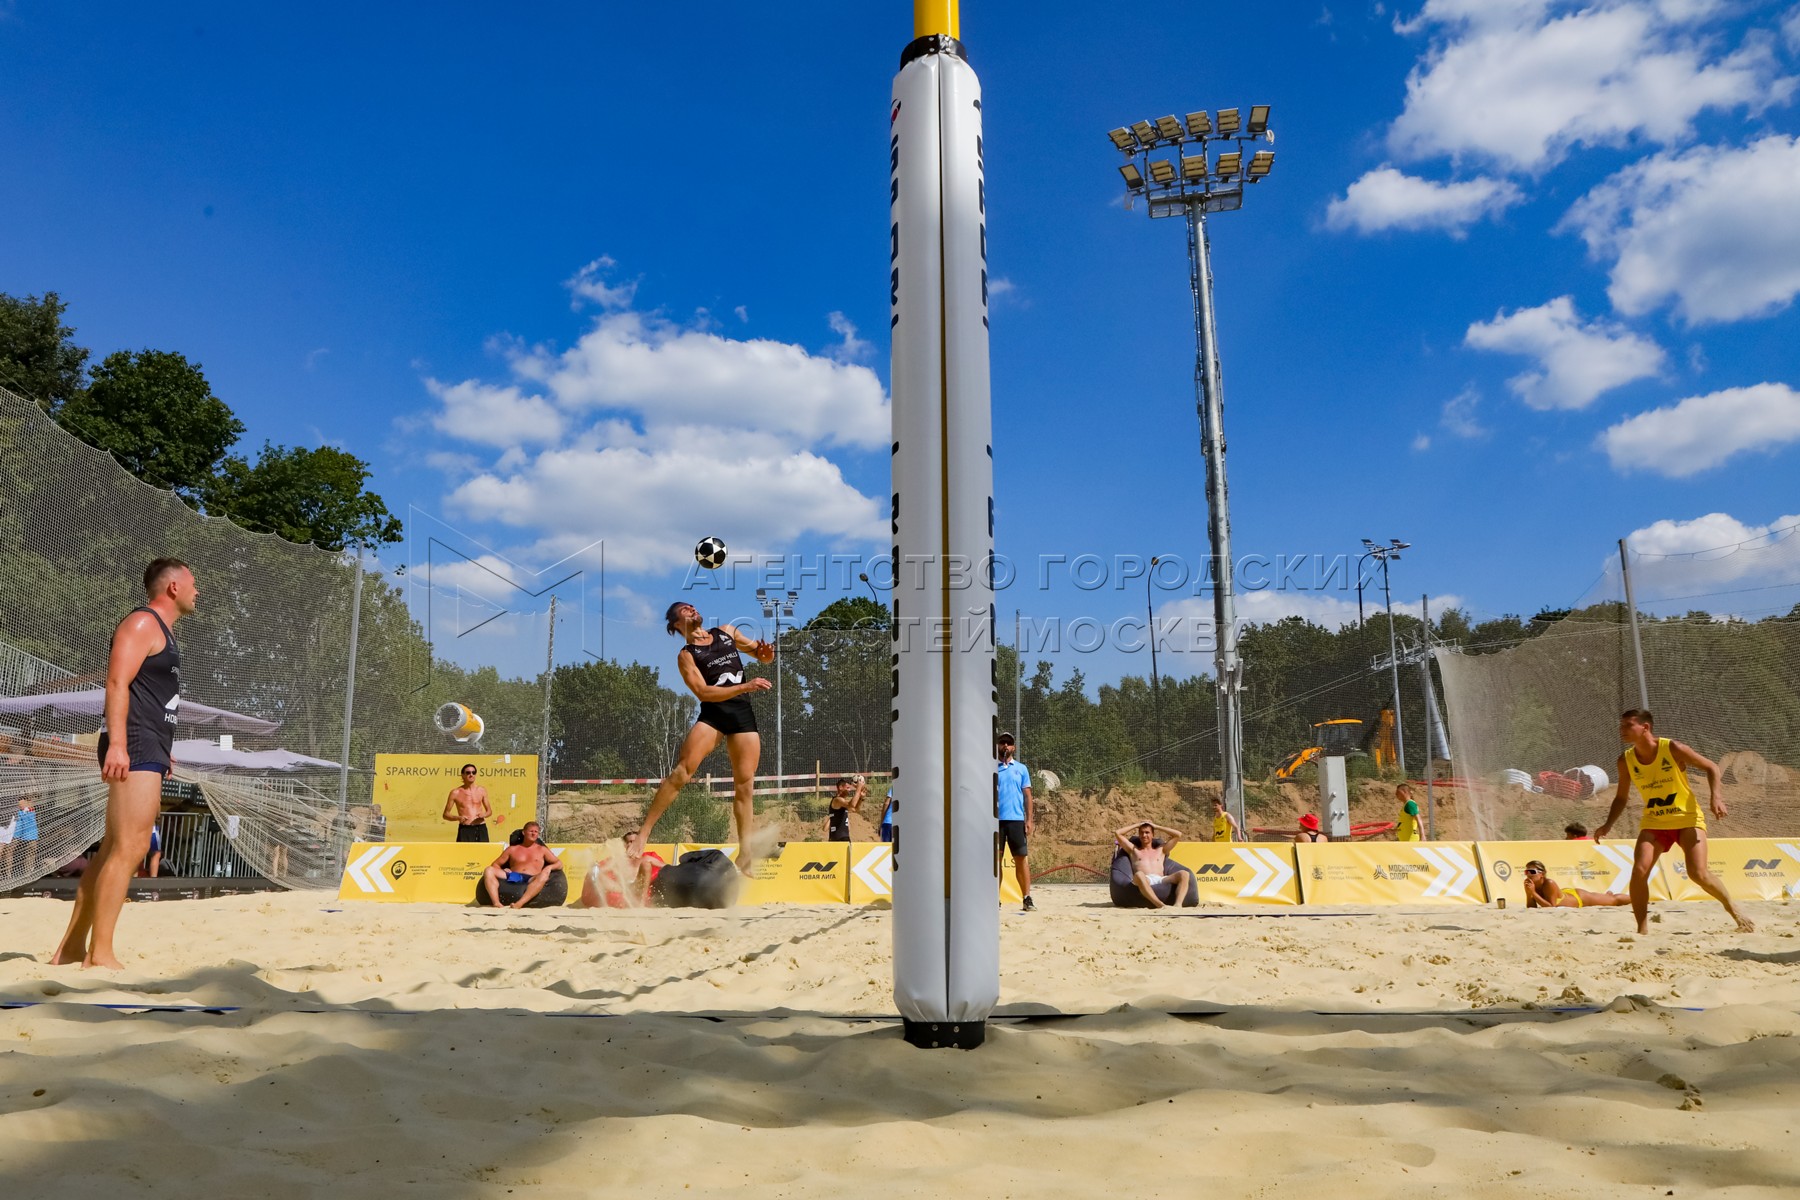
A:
(1014, 779)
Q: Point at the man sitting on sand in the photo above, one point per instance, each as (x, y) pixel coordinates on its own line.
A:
(1541, 891)
(622, 882)
(530, 863)
(1150, 860)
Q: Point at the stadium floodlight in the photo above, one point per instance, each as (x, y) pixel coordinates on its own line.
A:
(1259, 119)
(1122, 139)
(1195, 186)
(776, 605)
(1384, 555)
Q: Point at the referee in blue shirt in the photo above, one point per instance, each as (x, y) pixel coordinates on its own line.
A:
(1012, 793)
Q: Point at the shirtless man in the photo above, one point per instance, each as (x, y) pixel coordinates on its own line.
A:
(1541, 891)
(530, 859)
(1672, 815)
(468, 807)
(1149, 861)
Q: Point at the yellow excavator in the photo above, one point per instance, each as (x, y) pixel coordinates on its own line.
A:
(1340, 735)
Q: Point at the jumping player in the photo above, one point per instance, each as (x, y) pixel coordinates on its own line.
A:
(137, 740)
(1672, 814)
(714, 671)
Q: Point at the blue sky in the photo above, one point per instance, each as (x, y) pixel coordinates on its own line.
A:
(1521, 283)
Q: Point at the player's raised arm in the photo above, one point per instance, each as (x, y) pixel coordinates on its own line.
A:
(761, 651)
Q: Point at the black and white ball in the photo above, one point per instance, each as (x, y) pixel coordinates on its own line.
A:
(710, 553)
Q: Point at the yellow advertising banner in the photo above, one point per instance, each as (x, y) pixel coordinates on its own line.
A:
(1389, 873)
(1750, 869)
(412, 788)
(1227, 873)
(446, 872)
(1590, 866)
(871, 872)
(799, 873)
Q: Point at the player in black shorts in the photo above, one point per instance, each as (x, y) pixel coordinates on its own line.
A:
(136, 751)
(714, 671)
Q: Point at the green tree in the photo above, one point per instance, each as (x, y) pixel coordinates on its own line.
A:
(155, 413)
(315, 496)
(38, 355)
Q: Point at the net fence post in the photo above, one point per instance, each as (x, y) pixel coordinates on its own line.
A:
(543, 804)
(350, 689)
(1637, 645)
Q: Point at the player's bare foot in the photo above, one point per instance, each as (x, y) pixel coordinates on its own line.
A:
(63, 958)
(747, 867)
(1644, 927)
(102, 962)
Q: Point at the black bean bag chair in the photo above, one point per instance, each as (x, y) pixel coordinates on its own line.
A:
(554, 895)
(1126, 895)
(701, 879)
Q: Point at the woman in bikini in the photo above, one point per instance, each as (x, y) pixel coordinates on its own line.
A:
(1541, 891)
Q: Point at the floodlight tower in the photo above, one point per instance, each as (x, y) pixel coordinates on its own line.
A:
(1384, 555)
(777, 606)
(1210, 176)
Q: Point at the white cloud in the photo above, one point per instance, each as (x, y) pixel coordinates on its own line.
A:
(1576, 361)
(1790, 29)
(1522, 82)
(1421, 443)
(1680, 559)
(1389, 199)
(494, 416)
(588, 284)
(666, 374)
(1715, 230)
(651, 505)
(743, 314)
(650, 434)
(852, 348)
(1703, 431)
(1458, 418)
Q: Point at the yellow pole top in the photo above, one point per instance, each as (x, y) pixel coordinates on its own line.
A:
(937, 17)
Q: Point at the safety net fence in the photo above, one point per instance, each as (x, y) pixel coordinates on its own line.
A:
(1534, 725)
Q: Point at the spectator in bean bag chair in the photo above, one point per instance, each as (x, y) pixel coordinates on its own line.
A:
(526, 875)
(1143, 874)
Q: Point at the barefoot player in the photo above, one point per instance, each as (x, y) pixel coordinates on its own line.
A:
(137, 739)
(1672, 814)
(714, 671)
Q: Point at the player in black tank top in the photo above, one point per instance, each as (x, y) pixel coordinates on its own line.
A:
(155, 699)
(143, 699)
(712, 666)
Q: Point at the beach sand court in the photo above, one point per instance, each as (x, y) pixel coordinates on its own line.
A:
(364, 1050)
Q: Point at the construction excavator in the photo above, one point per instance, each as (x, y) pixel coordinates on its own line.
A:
(1344, 735)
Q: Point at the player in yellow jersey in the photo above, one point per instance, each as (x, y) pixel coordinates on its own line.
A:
(1225, 826)
(1406, 826)
(1672, 814)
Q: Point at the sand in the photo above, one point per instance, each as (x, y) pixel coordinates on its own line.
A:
(470, 1053)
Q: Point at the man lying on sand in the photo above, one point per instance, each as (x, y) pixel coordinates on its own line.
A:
(1541, 891)
(530, 862)
(1150, 860)
(622, 881)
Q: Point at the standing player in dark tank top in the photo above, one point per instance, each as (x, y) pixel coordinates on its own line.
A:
(143, 697)
(713, 669)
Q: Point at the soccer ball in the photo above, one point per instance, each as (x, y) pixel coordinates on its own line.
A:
(710, 553)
